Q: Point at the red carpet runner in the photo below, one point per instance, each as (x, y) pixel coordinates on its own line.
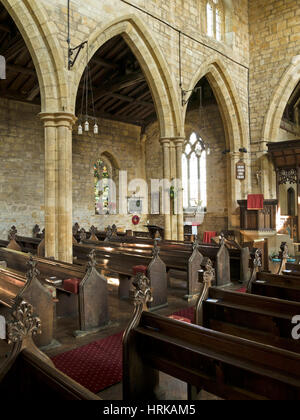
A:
(98, 365)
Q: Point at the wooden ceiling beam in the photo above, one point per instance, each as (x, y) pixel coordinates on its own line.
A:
(20, 69)
(104, 63)
(5, 28)
(33, 93)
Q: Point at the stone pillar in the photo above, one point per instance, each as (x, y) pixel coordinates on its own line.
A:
(173, 201)
(58, 185)
(166, 186)
(180, 229)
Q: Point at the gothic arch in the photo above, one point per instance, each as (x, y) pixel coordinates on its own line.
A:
(229, 105)
(40, 37)
(153, 64)
(281, 95)
(236, 132)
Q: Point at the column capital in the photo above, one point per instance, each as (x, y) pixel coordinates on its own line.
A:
(58, 118)
(178, 141)
(165, 141)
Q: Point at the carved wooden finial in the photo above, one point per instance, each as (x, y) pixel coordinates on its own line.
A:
(156, 248)
(222, 239)
(114, 230)
(32, 271)
(257, 258)
(24, 324)
(284, 250)
(209, 274)
(142, 293)
(257, 264)
(92, 260)
(207, 278)
(82, 235)
(196, 242)
(43, 234)
(284, 254)
(35, 231)
(93, 230)
(12, 234)
(109, 233)
(75, 229)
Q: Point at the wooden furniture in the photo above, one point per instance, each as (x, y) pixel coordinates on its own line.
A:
(286, 159)
(27, 375)
(153, 230)
(181, 260)
(227, 366)
(89, 305)
(122, 263)
(284, 287)
(258, 220)
(28, 286)
(257, 318)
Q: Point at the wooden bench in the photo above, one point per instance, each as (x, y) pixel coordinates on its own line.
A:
(181, 261)
(224, 365)
(285, 287)
(257, 318)
(87, 300)
(122, 264)
(28, 286)
(27, 374)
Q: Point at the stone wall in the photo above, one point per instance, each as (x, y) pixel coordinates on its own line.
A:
(121, 143)
(216, 217)
(21, 167)
(274, 41)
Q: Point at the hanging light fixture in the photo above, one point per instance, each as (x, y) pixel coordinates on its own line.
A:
(202, 124)
(87, 97)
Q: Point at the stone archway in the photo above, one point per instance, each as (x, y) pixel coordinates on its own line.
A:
(236, 131)
(281, 95)
(39, 36)
(150, 58)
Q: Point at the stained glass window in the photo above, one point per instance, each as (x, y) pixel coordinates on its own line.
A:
(194, 173)
(102, 191)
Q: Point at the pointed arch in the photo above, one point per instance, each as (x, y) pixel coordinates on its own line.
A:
(40, 37)
(228, 100)
(280, 98)
(235, 128)
(152, 62)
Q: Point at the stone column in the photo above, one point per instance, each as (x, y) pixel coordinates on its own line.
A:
(50, 185)
(58, 185)
(166, 185)
(173, 202)
(180, 229)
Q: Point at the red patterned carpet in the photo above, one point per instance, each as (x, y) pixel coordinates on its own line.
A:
(98, 365)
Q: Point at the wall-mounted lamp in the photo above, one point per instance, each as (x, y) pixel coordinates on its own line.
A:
(243, 150)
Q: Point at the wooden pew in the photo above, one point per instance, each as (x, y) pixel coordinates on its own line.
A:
(29, 287)
(257, 318)
(181, 261)
(27, 374)
(224, 365)
(285, 287)
(110, 261)
(89, 303)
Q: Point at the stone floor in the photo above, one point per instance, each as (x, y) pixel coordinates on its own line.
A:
(120, 314)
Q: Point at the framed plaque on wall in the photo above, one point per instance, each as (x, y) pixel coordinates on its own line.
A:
(240, 170)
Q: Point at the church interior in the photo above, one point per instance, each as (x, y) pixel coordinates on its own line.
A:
(150, 200)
